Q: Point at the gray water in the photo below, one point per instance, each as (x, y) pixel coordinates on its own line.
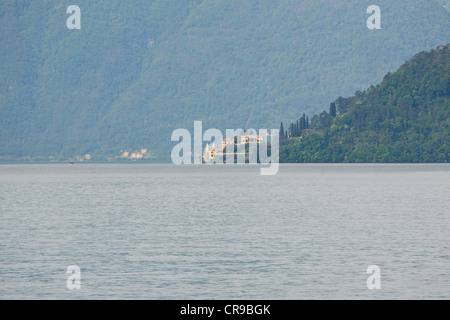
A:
(141, 231)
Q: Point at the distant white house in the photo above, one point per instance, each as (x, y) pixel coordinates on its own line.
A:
(211, 152)
(252, 138)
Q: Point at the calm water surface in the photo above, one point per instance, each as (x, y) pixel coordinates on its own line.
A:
(213, 232)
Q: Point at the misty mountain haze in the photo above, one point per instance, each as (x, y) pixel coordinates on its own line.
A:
(137, 71)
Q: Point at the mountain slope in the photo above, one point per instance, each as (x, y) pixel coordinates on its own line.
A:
(406, 118)
(135, 72)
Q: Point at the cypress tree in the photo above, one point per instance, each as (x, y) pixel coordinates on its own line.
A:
(291, 130)
(333, 109)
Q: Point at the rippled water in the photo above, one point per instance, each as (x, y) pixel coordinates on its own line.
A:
(213, 232)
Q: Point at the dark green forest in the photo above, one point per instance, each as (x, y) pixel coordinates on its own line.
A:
(405, 118)
(138, 70)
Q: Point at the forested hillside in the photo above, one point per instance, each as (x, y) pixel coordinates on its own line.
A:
(405, 118)
(137, 70)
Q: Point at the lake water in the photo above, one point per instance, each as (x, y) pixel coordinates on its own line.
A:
(146, 231)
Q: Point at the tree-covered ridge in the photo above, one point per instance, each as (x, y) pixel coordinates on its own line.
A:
(405, 118)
